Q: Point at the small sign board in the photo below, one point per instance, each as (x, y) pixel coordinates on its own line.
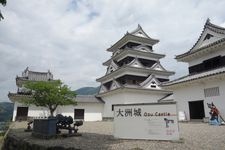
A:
(154, 121)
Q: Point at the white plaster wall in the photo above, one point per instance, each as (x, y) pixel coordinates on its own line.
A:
(33, 111)
(117, 98)
(205, 57)
(127, 97)
(195, 92)
(14, 111)
(93, 111)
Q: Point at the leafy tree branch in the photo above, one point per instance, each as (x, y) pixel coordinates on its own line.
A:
(50, 94)
(3, 2)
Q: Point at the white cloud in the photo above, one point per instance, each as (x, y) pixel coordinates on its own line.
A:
(70, 37)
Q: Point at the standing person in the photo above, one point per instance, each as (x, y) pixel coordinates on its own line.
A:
(214, 112)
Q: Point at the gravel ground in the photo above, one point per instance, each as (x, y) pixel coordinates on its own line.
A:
(98, 136)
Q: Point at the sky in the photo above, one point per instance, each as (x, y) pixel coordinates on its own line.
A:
(70, 37)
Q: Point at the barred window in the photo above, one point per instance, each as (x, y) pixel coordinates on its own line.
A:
(209, 92)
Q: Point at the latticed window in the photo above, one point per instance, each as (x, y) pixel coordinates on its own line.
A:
(209, 92)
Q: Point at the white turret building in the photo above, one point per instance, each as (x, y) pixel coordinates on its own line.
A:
(21, 111)
(134, 72)
(205, 82)
(88, 108)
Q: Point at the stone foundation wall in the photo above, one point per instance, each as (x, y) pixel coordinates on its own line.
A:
(107, 119)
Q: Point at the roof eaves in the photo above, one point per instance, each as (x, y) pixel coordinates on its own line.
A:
(170, 83)
(153, 41)
(199, 49)
(165, 97)
(99, 99)
(134, 88)
(109, 49)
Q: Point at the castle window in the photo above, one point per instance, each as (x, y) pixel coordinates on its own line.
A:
(153, 84)
(123, 81)
(209, 92)
(212, 63)
(111, 69)
(134, 81)
(112, 107)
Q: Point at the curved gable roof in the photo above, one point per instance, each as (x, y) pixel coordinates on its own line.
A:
(212, 34)
(213, 31)
(137, 35)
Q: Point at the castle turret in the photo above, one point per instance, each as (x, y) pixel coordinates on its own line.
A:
(20, 111)
(206, 79)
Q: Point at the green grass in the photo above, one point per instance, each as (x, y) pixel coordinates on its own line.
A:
(1, 141)
(2, 134)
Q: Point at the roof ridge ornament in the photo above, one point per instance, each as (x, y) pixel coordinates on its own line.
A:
(208, 20)
(139, 26)
(139, 31)
(27, 69)
(214, 27)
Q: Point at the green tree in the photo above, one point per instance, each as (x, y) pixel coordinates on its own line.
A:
(50, 94)
(3, 2)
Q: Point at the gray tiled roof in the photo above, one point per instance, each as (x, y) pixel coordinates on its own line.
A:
(200, 49)
(79, 98)
(88, 99)
(195, 76)
(35, 76)
(168, 97)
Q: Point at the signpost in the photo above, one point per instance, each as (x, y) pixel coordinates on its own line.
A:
(154, 121)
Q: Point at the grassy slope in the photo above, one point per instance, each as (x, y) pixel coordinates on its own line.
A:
(1, 141)
(6, 111)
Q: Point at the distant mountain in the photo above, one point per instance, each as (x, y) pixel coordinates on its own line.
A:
(6, 111)
(87, 90)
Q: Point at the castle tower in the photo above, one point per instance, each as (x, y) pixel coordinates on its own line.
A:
(134, 72)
